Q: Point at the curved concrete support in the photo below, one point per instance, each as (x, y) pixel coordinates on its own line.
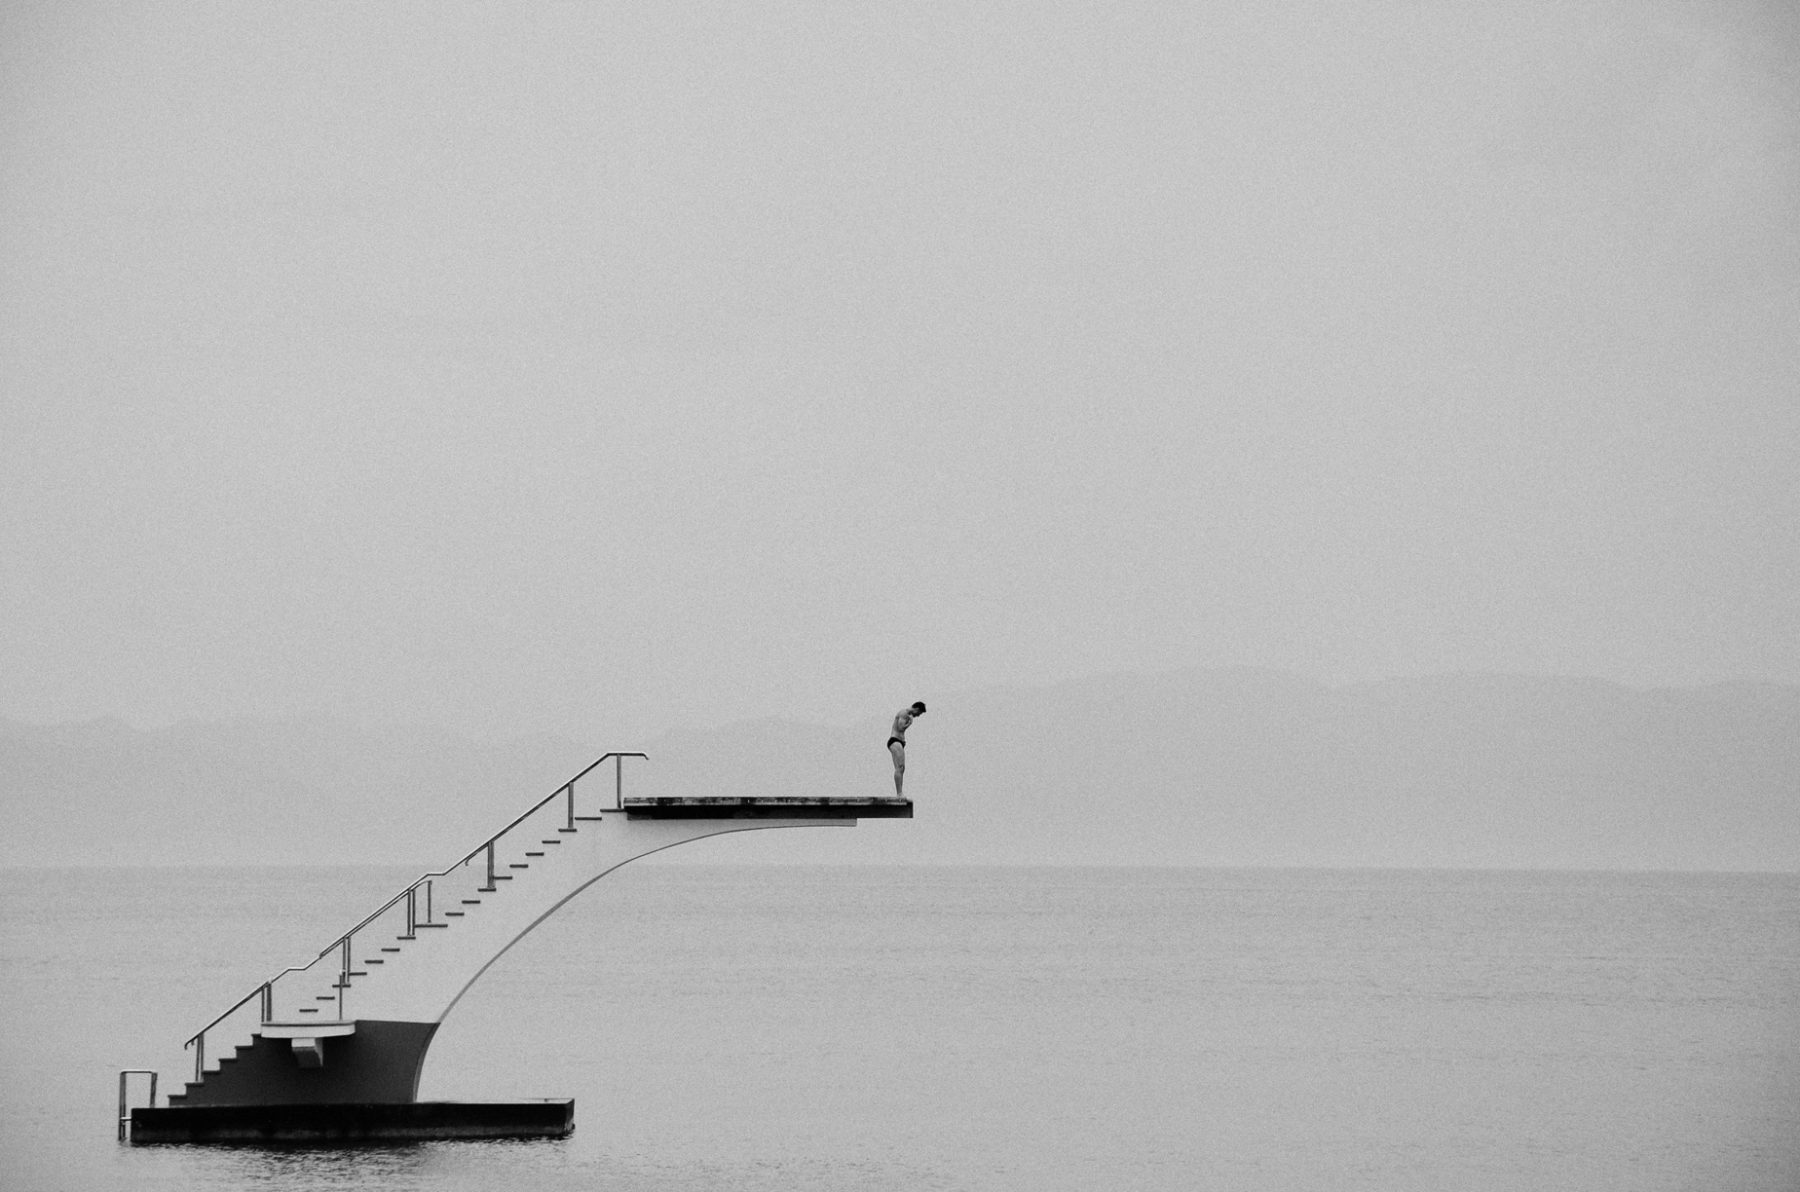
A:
(425, 980)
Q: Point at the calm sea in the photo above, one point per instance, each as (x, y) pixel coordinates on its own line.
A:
(1007, 1029)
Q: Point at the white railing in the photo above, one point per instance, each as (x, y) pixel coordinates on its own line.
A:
(415, 898)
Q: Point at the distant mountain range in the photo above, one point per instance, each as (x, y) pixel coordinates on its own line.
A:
(1215, 767)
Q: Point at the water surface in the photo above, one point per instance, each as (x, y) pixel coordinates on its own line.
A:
(1009, 1029)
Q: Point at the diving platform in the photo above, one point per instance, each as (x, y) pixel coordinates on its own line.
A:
(332, 1049)
(727, 807)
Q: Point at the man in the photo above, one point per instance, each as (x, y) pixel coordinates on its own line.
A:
(897, 742)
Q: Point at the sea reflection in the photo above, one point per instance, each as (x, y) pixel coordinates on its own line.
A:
(434, 1164)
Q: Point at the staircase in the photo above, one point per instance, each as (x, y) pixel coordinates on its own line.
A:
(352, 1025)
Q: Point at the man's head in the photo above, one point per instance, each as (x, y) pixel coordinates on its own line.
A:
(918, 709)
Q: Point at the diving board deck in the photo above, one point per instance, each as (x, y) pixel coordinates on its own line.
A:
(714, 807)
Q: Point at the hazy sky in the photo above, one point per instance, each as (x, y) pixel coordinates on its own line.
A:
(606, 367)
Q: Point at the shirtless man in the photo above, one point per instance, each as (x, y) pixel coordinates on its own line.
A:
(897, 742)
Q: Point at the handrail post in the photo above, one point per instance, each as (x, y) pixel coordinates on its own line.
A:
(619, 781)
(344, 978)
(571, 789)
(199, 1056)
(268, 1001)
(490, 863)
(411, 910)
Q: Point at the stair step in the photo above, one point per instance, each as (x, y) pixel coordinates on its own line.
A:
(374, 960)
(563, 830)
(592, 819)
(558, 840)
(471, 902)
(325, 997)
(518, 864)
(399, 937)
(534, 854)
(359, 972)
(416, 926)
(454, 914)
(309, 1009)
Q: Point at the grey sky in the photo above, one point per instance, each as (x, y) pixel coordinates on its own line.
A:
(605, 367)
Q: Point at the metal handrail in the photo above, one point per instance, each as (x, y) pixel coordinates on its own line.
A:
(124, 1114)
(568, 788)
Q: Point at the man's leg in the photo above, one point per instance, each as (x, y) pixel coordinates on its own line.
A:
(899, 752)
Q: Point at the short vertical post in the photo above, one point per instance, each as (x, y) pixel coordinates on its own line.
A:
(490, 859)
(199, 1057)
(571, 789)
(411, 911)
(268, 1002)
(619, 781)
(428, 902)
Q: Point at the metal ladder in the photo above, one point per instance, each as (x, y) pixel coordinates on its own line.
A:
(125, 1075)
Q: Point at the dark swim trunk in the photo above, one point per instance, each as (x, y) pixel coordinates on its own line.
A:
(900, 741)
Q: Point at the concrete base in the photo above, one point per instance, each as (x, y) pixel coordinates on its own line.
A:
(344, 1123)
(380, 1062)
